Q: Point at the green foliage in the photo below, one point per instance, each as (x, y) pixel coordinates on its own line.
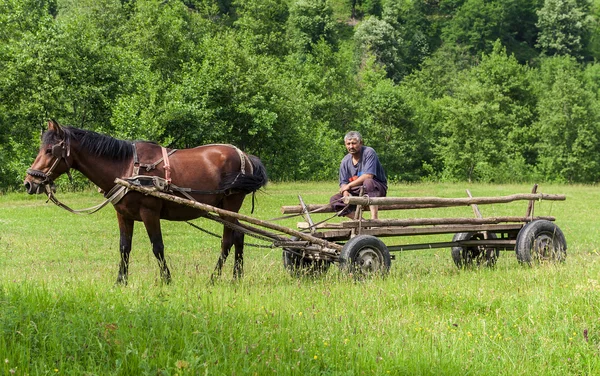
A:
(264, 24)
(311, 21)
(485, 118)
(567, 130)
(451, 89)
(564, 27)
(386, 119)
(379, 38)
(477, 24)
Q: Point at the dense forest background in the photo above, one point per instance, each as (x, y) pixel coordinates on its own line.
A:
(444, 90)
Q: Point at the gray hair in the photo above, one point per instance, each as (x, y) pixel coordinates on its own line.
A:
(353, 135)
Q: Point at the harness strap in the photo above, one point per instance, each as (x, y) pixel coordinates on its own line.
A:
(151, 166)
(136, 161)
(243, 158)
(166, 165)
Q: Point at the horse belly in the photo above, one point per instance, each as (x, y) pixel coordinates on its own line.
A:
(179, 212)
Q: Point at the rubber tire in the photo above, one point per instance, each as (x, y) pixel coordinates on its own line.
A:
(465, 257)
(541, 240)
(365, 256)
(299, 266)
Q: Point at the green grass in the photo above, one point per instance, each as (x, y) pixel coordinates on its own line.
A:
(60, 312)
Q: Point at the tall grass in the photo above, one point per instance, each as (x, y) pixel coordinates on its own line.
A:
(61, 313)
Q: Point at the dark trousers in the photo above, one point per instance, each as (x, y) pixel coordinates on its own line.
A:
(372, 188)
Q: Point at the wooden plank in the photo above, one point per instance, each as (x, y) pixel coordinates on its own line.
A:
(492, 243)
(335, 235)
(434, 221)
(354, 200)
(405, 231)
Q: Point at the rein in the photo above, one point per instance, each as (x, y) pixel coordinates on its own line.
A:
(113, 196)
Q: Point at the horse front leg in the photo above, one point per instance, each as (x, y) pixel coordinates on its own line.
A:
(125, 238)
(152, 222)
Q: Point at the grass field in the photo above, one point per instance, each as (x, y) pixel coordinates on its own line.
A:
(61, 313)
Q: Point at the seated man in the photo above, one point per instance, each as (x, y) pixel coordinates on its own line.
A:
(359, 168)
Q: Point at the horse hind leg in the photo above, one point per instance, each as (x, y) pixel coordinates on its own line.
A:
(232, 238)
(226, 244)
(238, 266)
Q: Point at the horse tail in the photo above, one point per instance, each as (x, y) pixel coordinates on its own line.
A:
(259, 171)
(247, 183)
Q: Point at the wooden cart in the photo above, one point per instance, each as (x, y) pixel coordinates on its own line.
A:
(357, 247)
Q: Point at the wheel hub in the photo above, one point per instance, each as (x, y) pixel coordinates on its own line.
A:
(368, 261)
(543, 247)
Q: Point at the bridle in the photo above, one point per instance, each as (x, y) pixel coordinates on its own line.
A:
(60, 151)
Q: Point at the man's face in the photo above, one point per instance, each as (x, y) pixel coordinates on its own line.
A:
(353, 146)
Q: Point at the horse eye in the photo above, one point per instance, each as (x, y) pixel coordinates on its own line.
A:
(48, 151)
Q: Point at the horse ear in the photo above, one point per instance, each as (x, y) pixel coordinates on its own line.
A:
(55, 127)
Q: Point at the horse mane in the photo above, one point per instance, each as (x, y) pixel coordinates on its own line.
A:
(97, 144)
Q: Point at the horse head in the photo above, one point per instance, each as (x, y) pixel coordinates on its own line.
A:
(53, 160)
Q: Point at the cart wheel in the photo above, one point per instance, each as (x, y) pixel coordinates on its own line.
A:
(465, 257)
(365, 255)
(541, 240)
(299, 266)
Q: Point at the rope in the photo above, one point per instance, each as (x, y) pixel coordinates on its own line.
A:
(236, 228)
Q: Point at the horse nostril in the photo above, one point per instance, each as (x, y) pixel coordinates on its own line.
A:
(29, 187)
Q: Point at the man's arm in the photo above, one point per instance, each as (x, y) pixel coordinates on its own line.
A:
(344, 188)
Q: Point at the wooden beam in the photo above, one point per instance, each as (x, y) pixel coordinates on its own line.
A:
(354, 200)
(334, 235)
(326, 208)
(327, 246)
(491, 243)
(437, 221)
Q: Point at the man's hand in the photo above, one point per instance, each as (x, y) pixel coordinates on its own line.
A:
(344, 189)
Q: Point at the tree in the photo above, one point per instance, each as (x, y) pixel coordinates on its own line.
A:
(564, 27)
(385, 121)
(567, 128)
(376, 37)
(485, 122)
(311, 21)
(477, 24)
(264, 21)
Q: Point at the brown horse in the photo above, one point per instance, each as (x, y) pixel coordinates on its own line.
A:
(218, 175)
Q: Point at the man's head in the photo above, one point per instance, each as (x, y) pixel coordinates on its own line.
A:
(353, 142)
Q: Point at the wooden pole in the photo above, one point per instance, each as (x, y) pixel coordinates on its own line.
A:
(437, 221)
(318, 208)
(327, 246)
(354, 200)
(531, 205)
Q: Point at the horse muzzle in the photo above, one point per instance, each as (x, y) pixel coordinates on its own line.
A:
(36, 188)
